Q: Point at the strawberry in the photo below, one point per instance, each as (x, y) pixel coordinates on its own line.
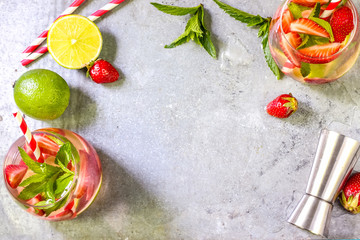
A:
(46, 145)
(286, 21)
(320, 53)
(66, 214)
(102, 71)
(307, 26)
(34, 201)
(350, 194)
(14, 174)
(282, 106)
(288, 43)
(309, 3)
(342, 23)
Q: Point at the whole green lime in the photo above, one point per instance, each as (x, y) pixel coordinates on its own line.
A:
(41, 94)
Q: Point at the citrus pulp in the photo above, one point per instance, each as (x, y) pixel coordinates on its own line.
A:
(74, 41)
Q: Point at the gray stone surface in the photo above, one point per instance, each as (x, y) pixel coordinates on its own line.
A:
(188, 151)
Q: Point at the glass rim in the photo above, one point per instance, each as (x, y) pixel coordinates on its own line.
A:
(355, 20)
(22, 142)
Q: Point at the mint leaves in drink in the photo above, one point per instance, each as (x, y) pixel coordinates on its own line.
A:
(51, 182)
(195, 28)
(255, 21)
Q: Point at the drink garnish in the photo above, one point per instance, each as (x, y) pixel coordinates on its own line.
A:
(50, 181)
(195, 28)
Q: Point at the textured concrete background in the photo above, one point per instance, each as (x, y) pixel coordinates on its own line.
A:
(187, 149)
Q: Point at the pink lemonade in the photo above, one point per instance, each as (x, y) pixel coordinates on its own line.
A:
(311, 48)
(62, 186)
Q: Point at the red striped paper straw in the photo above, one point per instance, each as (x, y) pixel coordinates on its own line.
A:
(108, 7)
(29, 137)
(41, 38)
(330, 8)
(93, 17)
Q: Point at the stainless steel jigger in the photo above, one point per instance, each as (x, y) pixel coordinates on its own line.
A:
(335, 158)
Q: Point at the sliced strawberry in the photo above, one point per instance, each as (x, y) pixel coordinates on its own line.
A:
(46, 145)
(320, 53)
(310, 3)
(66, 214)
(307, 26)
(69, 206)
(34, 201)
(288, 43)
(84, 179)
(14, 174)
(287, 18)
(29, 152)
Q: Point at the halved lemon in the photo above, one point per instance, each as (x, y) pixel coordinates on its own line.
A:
(74, 41)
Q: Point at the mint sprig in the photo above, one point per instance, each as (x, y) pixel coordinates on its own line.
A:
(195, 28)
(255, 21)
(50, 181)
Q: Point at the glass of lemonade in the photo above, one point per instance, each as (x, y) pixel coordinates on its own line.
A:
(61, 186)
(306, 52)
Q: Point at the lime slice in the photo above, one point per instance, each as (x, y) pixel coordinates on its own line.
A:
(74, 41)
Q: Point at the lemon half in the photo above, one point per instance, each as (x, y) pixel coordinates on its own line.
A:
(74, 41)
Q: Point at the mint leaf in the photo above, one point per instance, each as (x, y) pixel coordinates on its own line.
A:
(325, 25)
(63, 156)
(195, 28)
(311, 40)
(62, 183)
(173, 10)
(304, 40)
(241, 16)
(32, 190)
(264, 27)
(33, 179)
(296, 10)
(33, 165)
(49, 188)
(305, 69)
(65, 140)
(316, 11)
(56, 140)
(48, 210)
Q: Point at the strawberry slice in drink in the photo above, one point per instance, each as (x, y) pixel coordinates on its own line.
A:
(46, 145)
(307, 26)
(14, 174)
(286, 20)
(34, 201)
(288, 44)
(320, 53)
(310, 3)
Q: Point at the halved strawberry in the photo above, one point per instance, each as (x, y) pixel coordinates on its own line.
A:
(288, 43)
(14, 174)
(286, 20)
(309, 3)
(46, 145)
(307, 26)
(320, 53)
